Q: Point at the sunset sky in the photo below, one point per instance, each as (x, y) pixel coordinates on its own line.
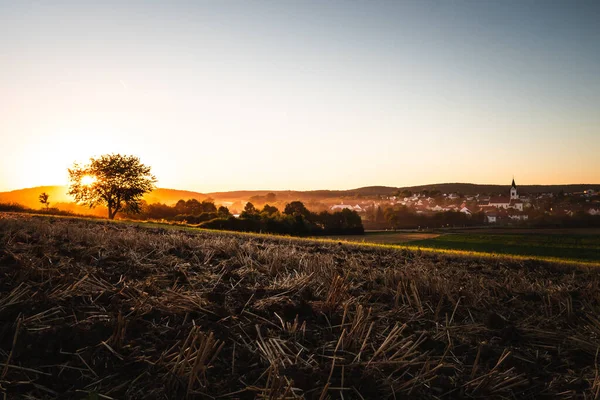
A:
(227, 95)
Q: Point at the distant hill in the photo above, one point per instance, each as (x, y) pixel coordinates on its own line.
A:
(463, 188)
(304, 194)
(471, 188)
(58, 194)
(29, 197)
(172, 196)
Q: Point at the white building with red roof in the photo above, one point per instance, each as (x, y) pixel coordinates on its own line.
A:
(506, 202)
(499, 202)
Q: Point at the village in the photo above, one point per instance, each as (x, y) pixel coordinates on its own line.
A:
(497, 208)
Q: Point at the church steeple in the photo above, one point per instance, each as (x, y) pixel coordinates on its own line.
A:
(513, 190)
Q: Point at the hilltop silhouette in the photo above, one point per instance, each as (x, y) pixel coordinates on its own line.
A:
(28, 197)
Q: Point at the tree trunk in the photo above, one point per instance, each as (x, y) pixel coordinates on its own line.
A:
(111, 215)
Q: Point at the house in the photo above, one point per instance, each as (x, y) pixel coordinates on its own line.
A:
(519, 217)
(491, 217)
(341, 207)
(499, 202)
(466, 211)
(594, 211)
(516, 204)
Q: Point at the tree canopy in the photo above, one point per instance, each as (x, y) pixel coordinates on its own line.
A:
(299, 221)
(296, 208)
(114, 180)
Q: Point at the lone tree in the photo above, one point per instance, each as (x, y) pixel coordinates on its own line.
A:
(44, 200)
(113, 180)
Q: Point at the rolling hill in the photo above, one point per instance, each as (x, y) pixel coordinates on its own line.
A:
(29, 197)
(464, 188)
(58, 194)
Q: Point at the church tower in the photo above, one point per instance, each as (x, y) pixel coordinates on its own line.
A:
(513, 191)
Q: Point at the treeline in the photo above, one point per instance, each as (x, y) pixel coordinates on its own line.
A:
(189, 211)
(578, 220)
(13, 207)
(295, 219)
(16, 207)
(402, 217)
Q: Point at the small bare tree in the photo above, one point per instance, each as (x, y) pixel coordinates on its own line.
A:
(44, 200)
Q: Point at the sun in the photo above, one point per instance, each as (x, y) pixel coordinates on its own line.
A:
(88, 180)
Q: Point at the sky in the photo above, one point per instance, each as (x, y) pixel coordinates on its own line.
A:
(230, 95)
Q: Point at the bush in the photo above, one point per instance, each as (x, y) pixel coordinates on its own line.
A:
(13, 207)
(196, 219)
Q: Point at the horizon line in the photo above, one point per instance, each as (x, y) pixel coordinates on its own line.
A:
(333, 190)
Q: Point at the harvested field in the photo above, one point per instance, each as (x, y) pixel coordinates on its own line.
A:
(529, 231)
(583, 248)
(98, 310)
(386, 237)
